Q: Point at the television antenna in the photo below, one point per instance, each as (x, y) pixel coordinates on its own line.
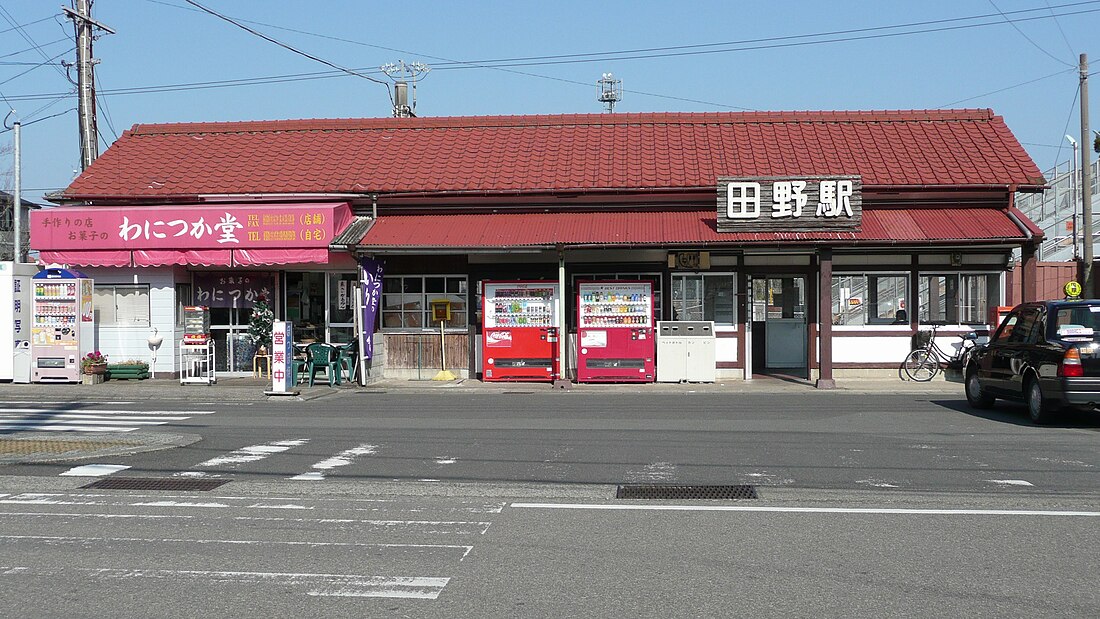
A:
(402, 73)
(609, 91)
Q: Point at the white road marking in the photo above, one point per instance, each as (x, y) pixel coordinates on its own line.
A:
(441, 527)
(343, 458)
(807, 510)
(252, 453)
(85, 421)
(94, 470)
(1010, 482)
(114, 418)
(877, 483)
(82, 403)
(56, 427)
(343, 585)
(445, 460)
(101, 411)
(72, 539)
(178, 504)
(239, 502)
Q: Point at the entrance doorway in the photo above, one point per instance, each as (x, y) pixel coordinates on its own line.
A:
(778, 343)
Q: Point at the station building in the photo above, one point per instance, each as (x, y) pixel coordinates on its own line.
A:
(817, 242)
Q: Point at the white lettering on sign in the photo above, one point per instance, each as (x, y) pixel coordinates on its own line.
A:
(743, 200)
(834, 198)
(227, 227)
(784, 193)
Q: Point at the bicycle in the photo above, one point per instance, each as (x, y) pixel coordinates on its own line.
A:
(924, 362)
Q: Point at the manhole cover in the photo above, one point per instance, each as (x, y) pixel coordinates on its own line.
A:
(153, 483)
(659, 492)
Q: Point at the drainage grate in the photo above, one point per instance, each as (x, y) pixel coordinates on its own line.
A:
(153, 483)
(686, 492)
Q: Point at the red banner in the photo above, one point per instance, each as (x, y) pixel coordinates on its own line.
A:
(200, 226)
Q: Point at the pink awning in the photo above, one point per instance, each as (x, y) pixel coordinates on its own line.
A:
(197, 257)
(250, 257)
(104, 258)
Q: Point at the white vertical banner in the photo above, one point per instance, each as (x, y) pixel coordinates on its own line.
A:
(282, 356)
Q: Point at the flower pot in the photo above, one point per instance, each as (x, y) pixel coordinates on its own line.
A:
(96, 368)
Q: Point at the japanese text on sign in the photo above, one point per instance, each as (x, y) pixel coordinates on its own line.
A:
(807, 203)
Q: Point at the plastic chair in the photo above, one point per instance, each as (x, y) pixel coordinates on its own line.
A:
(347, 359)
(322, 356)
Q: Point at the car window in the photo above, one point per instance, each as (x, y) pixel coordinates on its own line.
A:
(1006, 328)
(1081, 316)
(1021, 331)
(1038, 333)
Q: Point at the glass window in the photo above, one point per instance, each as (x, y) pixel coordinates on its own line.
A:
(183, 299)
(959, 299)
(870, 299)
(1021, 332)
(653, 278)
(406, 300)
(1007, 327)
(122, 305)
(705, 296)
(341, 299)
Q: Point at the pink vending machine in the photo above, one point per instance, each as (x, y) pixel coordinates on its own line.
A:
(62, 330)
(615, 332)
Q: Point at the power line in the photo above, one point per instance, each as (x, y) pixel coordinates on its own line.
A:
(31, 49)
(7, 17)
(1029, 39)
(41, 64)
(999, 90)
(30, 23)
(288, 47)
(42, 119)
(1059, 24)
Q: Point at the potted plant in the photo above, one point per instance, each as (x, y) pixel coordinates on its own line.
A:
(259, 324)
(94, 363)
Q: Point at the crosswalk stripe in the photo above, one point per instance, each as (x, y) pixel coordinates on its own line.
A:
(343, 458)
(94, 470)
(99, 411)
(252, 453)
(89, 422)
(160, 418)
(54, 427)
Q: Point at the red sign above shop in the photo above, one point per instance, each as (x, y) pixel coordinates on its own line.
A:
(199, 226)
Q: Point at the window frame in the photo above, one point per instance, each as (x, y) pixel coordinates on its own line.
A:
(991, 300)
(460, 319)
(97, 291)
(868, 320)
(683, 275)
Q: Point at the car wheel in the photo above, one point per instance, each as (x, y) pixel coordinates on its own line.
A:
(975, 395)
(1037, 408)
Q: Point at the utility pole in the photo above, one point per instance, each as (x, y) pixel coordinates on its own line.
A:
(1086, 181)
(17, 202)
(85, 82)
(402, 73)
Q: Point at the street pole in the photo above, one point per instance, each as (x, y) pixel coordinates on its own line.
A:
(17, 201)
(85, 79)
(1073, 201)
(1086, 181)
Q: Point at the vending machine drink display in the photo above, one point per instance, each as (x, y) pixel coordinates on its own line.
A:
(615, 332)
(62, 327)
(520, 331)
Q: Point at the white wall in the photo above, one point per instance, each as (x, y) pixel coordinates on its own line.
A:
(123, 343)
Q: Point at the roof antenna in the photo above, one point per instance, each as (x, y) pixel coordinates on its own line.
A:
(609, 91)
(402, 73)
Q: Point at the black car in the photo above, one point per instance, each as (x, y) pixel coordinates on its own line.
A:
(1045, 354)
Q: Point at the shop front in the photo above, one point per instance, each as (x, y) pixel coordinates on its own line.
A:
(150, 262)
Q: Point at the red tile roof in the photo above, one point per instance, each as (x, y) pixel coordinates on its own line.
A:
(567, 153)
(665, 228)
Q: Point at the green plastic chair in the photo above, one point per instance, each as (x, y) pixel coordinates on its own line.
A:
(322, 356)
(347, 359)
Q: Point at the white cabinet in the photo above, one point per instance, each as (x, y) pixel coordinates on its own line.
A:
(685, 351)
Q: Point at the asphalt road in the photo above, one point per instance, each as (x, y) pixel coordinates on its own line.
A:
(490, 505)
(810, 440)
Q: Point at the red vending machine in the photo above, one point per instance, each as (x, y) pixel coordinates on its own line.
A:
(520, 330)
(615, 332)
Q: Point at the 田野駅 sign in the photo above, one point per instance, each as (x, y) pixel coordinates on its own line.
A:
(790, 204)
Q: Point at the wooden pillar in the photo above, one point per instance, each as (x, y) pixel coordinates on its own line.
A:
(825, 318)
(1029, 274)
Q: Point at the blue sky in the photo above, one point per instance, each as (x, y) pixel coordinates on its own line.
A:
(1025, 71)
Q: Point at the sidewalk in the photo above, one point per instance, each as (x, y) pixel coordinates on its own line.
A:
(249, 389)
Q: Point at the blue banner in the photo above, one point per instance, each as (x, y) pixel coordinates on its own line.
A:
(372, 298)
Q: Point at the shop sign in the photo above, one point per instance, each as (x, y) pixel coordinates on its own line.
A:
(372, 297)
(689, 260)
(790, 204)
(282, 356)
(229, 289)
(195, 227)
